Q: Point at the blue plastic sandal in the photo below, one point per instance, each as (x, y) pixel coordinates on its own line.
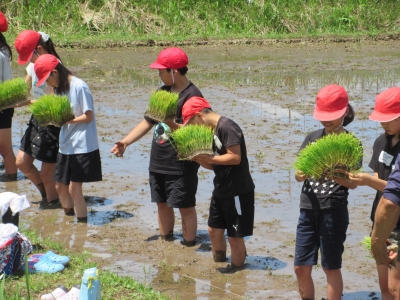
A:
(44, 266)
(54, 258)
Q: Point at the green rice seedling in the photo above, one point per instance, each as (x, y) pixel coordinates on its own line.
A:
(193, 140)
(162, 105)
(13, 92)
(367, 242)
(52, 110)
(330, 156)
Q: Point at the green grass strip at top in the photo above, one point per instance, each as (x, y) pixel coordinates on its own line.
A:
(328, 154)
(193, 139)
(13, 91)
(52, 110)
(163, 104)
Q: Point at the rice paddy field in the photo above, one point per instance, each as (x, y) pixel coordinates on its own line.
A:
(269, 90)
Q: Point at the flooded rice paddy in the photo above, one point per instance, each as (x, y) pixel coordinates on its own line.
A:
(270, 92)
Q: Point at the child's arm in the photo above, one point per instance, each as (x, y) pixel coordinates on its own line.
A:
(85, 118)
(366, 179)
(345, 182)
(201, 160)
(139, 131)
(231, 157)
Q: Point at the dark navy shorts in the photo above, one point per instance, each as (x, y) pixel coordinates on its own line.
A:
(178, 191)
(323, 230)
(6, 118)
(235, 214)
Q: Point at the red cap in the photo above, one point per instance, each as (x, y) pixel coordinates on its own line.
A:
(332, 101)
(43, 67)
(25, 43)
(171, 58)
(3, 23)
(193, 106)
(387, 106)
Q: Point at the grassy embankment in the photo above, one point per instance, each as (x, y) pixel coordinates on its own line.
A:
(121, 22)
(112, 285)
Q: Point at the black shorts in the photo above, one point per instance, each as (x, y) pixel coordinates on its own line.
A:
(78, 167)
(236, 214)
(6, 118)
(41, 142)
(179, 191)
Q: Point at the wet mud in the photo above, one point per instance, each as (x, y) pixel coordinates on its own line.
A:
(269, 90)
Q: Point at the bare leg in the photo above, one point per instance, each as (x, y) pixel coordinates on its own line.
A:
(238, 251)
(189, 223)
(383, 274)
(166, 219)
(65, 197)
(25, 165)
(218, 243)
(305, 282)
(394, 281)
(75, 190)
(6, 151)
(47, 176)
(334, 288)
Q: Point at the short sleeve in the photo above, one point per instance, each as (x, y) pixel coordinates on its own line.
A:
(373, 164)
(85, 99)
(392, 189)
(30, 69)
(230, 135)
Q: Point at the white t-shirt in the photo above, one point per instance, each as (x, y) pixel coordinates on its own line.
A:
(5, 65)
(79, 138)
(36, 91)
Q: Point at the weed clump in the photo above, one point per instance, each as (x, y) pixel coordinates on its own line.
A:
(52, 110)
(13, 92)
(192, 140)
(162, 106)
(330, 156)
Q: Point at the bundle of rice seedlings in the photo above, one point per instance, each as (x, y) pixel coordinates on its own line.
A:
(367, 242)
(52, 110)
(330, 156)
(162, 106)
(193, 140)
(13, 92)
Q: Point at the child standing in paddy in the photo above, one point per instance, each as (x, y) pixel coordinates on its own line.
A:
(232, 202)
(79, 158)
(173, 183)
(38, 142)
(324, 217)
(385, 150)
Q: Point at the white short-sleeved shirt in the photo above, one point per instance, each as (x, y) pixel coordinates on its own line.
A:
(5, 65)
(36, 91)
(79, 138)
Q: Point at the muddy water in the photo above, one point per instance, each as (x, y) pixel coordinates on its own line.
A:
(269, 91)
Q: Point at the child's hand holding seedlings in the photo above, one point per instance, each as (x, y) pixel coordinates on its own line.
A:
(342, 177)
(360, 178)
(300, 176)
(204, 160)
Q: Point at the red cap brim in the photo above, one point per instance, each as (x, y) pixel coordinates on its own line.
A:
(328, 116)
(22, 60)
(156, 65)
(41, 81)
(379, 117)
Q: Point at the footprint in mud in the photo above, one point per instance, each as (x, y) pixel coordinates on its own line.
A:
(97, 201)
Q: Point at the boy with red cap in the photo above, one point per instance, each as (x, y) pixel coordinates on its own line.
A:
(324, 217)
(232, 201)
(173, 183)
(38, 142)
(385, 150)
(78, 159)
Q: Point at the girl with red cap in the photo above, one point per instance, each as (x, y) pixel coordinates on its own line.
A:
(324, 217)
(385, 150)
(38, 142)
(173, 183)
(78, 159)
(6, 115)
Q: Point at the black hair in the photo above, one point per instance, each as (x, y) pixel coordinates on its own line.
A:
(350, 116)
(181, 71)
(49, 46)
(206, 111)
(63, 84)
(3, 44)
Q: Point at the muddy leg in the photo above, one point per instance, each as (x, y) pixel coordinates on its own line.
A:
(305, 282)
(383, 272)
(218, 243)
(47, 176)
(189, 224)
(394, 282)
(334, 288)
(238, 251)
(75, 190)
(166, 218)
(25, 164)
(65, 198)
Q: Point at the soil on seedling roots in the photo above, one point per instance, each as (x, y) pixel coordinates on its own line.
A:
(269, 90)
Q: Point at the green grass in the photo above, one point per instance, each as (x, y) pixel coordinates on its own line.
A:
(113, 286)
(329, 154)
(52, 110)
(191, 140)
(13, 91)
(163, 105)
(74, 21)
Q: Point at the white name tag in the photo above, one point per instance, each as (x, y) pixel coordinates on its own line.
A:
(385, 158)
